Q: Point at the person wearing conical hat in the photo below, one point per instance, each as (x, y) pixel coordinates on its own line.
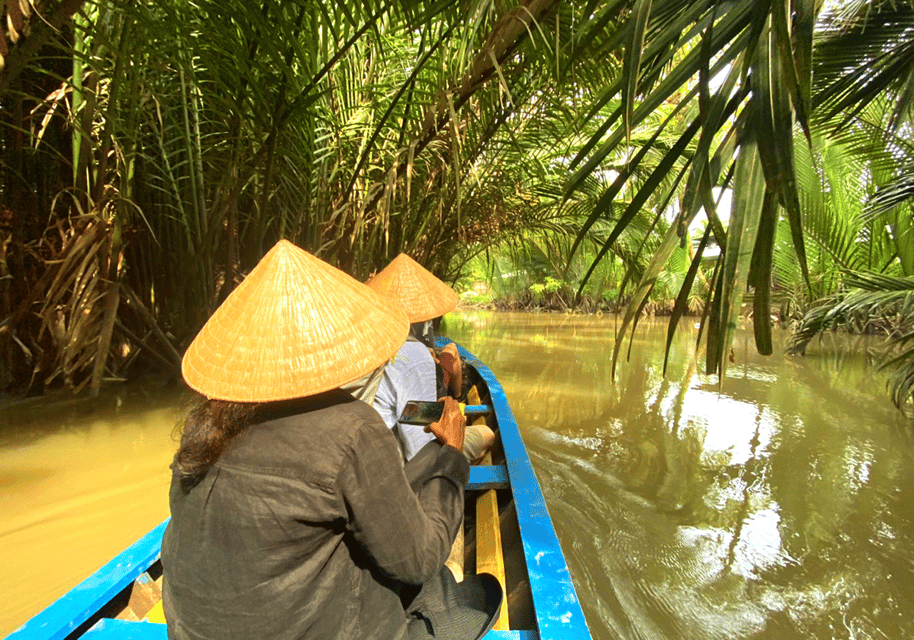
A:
(291, 517)
(412, 373)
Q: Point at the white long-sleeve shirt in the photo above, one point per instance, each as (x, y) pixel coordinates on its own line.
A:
(410, 376)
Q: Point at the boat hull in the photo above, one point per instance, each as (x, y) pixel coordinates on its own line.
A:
(542, 602)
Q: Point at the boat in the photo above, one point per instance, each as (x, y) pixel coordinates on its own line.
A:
(507, 532)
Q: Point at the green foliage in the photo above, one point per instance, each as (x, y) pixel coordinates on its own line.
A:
(562, 152)
(870, 302)
(834, 181)
(203, 132)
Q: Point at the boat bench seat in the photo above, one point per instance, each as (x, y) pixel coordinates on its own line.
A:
(484, 477)
(111, 629)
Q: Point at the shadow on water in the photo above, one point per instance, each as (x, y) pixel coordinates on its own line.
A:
(26, 420)
(773, 507)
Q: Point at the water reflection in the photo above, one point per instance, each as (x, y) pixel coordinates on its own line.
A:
(772, 507)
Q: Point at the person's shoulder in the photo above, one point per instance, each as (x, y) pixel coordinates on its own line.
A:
(412, 354)
(316, 433)
(362, 415)
(339, 412)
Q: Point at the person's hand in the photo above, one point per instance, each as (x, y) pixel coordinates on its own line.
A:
(451, 428)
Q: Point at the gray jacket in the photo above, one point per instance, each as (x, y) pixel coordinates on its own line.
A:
(307, 528)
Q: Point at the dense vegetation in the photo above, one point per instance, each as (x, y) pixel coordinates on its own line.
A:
(576, 150)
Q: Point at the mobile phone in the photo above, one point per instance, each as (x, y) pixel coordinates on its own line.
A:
(421, 412)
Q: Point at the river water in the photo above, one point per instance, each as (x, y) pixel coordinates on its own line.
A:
(774, 506)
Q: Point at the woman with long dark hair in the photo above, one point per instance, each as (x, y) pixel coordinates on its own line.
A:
(292, 516)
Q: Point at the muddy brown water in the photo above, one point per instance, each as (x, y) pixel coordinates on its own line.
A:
(777, 506)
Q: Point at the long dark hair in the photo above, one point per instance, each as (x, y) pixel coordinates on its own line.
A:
(209, 427)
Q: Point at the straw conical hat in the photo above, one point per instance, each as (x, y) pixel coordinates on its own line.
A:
(420, 294)
(294, 327)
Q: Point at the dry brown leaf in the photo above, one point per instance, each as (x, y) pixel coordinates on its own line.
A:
(15, 23)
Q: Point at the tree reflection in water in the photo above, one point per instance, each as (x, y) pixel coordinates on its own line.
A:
(771, 507)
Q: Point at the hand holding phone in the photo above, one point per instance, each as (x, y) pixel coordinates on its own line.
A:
(442, 418)
(451, 428)
(421, 412)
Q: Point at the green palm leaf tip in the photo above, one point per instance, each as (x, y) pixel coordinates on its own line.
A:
(760, 275)
(902, 379)
(772, 117)
(892, 194)
(682, 300)
(748, 198)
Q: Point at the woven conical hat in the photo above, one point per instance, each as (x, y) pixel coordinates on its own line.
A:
(420, 294)
(294, 327)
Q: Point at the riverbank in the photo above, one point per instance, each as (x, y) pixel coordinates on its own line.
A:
(652, 309)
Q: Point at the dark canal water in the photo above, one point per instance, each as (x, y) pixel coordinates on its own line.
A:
(775, 507)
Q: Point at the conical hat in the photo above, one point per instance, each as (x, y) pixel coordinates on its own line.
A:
(420, 294)
(294, 327)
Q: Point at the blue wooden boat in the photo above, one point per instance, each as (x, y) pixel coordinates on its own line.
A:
(507, 529)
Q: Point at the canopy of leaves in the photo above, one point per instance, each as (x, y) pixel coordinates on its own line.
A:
(153, 151)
